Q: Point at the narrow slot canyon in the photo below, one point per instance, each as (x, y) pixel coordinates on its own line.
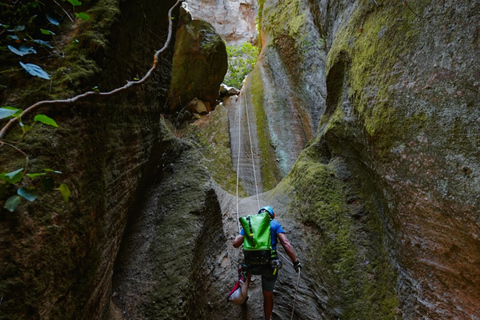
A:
(160, 124)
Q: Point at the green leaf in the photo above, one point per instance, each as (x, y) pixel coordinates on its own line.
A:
(83, 16)
(19, 28)
(22, 50)
(52, 20)
(75, 2)
(35, 70)
(12, 203)
(12, 177)
(43, 43)
(48, 32)
(29, 194)
(46, 120)
(6, 112)
(50, 170)
(34, 175)
(64, 191)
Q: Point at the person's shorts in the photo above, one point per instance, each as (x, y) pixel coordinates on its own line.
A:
(268, 278)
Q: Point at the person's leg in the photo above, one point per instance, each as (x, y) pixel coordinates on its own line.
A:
(268, 283)
(267, 304)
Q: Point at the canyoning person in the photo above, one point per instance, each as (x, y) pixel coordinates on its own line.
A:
(265, 263)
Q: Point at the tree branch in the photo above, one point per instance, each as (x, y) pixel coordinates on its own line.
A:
(129, 84)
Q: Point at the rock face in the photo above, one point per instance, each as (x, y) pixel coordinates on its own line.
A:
(370, 110)
(401, 101)
(199, 64)
(172, 253)
(286, 91)
(57, 258)
(392, 90)
(234, 20)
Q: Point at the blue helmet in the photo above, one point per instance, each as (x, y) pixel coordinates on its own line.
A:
(269, 210)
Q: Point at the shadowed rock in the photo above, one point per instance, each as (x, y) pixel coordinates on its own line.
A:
(199, 65)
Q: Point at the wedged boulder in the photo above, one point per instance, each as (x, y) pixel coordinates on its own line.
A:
(199, 65)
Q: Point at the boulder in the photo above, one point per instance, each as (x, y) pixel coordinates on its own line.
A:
(199, 64)
(223, 90)
(226, 91)
(198, 106)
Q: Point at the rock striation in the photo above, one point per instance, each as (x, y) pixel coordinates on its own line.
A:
(366, 117)
(234, 20)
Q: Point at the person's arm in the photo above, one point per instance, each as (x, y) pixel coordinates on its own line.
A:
(287, 246)
(238, 241)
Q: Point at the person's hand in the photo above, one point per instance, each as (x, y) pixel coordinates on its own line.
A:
(297, 265)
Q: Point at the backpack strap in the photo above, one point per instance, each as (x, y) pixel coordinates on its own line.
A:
(250, 234)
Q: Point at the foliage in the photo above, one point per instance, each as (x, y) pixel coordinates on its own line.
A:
(25, 28)
(27, 32)
(241, 60)
(27, 184)
(259, 15)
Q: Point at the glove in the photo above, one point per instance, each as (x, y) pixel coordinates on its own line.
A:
(297, 265)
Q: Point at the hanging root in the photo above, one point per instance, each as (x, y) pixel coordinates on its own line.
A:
(129, 84)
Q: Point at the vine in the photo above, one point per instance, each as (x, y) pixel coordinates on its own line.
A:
(27, 189)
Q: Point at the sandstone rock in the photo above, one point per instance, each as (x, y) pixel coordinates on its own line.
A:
(233, 91)
(199, 64)
(228, 91)
(234, 20)
(223, 90)
(197, 106)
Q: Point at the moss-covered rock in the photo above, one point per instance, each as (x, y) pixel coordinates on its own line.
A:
(397, 95)
(210, 136)
(343, 237)
(57, 258)
(199, 64)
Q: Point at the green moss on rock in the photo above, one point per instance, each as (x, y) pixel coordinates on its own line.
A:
(371, 45)
(348, 255)
(270, 172)
(211, 138)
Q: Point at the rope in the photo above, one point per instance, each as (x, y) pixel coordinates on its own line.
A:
(238, 157)
(256, 188)
(284, 258)
(251, 151)
(296, 289)
(238, 162)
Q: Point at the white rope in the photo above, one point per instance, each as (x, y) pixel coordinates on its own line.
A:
(284, 258)
(251, 151)
(238, 161)
(296, 289)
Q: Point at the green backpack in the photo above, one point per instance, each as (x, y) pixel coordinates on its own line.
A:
(257, 244)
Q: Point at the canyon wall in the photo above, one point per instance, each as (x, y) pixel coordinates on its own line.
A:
(234, 20)
(57, 258)
(400, 107)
